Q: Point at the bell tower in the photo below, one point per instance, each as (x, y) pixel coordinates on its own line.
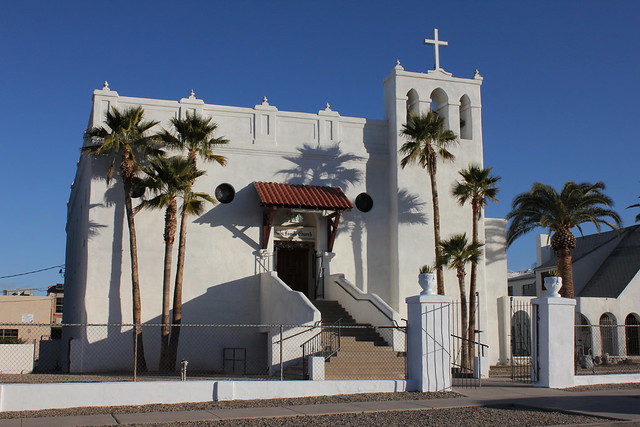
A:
(458, 101)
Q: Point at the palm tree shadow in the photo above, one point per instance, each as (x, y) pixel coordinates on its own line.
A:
(235, 218)
(113, 198)
(410, 208)
(321, 165)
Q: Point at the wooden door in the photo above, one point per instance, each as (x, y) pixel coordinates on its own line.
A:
(293, 267)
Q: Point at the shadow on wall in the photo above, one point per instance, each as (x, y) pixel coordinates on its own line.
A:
(235, 304)
(495, 241)
(239, 216)
(410, 208)
(322, 166)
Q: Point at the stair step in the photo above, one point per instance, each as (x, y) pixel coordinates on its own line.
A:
(363, 353)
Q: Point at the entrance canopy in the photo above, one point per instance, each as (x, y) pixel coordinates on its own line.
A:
(273, 196)
(302, 197)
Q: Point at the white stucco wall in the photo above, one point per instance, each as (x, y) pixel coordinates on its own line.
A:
(378, 251)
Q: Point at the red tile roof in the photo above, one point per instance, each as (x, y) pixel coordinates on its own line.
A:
(302, 196)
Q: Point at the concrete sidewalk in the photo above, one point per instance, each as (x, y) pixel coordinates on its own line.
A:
(619, 404)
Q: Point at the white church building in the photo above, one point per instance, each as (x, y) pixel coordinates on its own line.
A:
(313, 206)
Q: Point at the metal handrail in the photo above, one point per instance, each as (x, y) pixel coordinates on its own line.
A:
(310, 346)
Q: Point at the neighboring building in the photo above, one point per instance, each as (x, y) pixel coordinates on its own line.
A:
(57, 291)
(606, 275)
(521, 283)
(18, 314)
(293, 179)
(19, 292)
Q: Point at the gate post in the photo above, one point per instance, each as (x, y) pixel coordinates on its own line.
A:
(555, 339)
(428, 343)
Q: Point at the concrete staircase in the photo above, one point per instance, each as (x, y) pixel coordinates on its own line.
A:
(363, 353)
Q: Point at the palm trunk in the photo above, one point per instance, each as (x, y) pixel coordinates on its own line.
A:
(436, 232)
(464, 315)
(177, 291)
(127, 174)
(169, 235)
(565, 270)
(472, 285)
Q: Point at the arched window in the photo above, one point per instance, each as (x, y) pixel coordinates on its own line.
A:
(584, 340)
(608, 334)
(466, 131)
(413, 106)
(439, 104)
(632, 329)
(520, 334)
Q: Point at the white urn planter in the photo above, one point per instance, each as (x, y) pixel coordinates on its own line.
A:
(553, 285)
(427, 282)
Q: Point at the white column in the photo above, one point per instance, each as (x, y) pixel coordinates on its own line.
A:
(428, 343)
(555, 341)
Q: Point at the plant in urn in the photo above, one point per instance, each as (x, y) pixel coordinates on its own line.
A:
(427, 280)
(553, 283)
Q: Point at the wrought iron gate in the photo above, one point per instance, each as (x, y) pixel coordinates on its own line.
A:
(524, 340)
(467, 351)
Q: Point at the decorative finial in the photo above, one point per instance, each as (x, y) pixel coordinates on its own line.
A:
(398, 66)
(265, 101)
(477, 75)
(105, 85)
(327, 107)
(192, 94)
(397, 62)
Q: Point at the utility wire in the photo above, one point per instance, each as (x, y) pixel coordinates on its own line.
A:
(31, 272)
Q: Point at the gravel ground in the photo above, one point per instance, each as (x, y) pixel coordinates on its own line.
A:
(488, 416)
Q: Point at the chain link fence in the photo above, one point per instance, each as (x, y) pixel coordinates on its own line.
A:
(107, 352)
(607, 349)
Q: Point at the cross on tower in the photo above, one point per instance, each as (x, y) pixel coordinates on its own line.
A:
(436, 43)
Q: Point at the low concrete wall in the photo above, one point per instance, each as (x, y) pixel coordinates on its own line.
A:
(605, 379)
(279, 305)
(247, 390)
(26, 397)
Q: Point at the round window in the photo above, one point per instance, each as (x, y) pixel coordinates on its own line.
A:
(364, 202)
(225, 193)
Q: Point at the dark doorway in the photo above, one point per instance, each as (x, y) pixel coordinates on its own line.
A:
(293, 264)
(632, 328)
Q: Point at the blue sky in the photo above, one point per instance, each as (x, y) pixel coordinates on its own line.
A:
(560, 95)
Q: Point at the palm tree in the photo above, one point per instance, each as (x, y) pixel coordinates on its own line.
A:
(428, 141)
(456, 253)
(577, 203)
(168, 179)
(193, 204)
(477, 186)
(194, 134)
(124, 136)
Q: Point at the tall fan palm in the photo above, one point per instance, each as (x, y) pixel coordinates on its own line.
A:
(477, 186)
(168, 179)
(456, 253)
(193, 204)
(194, 134)
(428, 142)
(124, 136)
(576, 204)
